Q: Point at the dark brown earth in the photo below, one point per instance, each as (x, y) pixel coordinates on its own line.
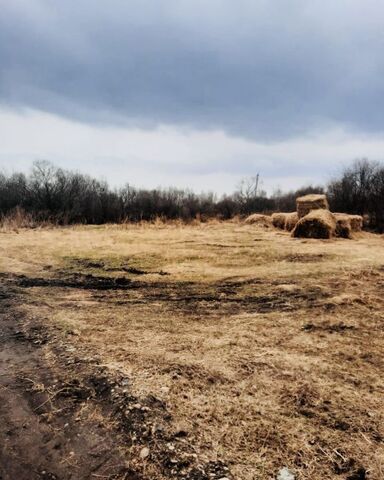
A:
(228, 295)
(40, 435)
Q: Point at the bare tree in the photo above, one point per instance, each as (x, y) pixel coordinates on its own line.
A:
(248, 188)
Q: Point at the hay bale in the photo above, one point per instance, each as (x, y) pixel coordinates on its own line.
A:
(278, 220)
(341, 215)
(306, 204)
(290, 221)
(319, 223)
(356, 223)
(343, 225)
(366, 220)
(259, 219)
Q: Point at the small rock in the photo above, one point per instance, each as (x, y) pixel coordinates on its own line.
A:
(75, 333)
(285, 474)
(157, 428)
(181, 430)
(144, 453)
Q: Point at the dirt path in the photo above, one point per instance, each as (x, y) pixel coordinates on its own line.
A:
(41, 437)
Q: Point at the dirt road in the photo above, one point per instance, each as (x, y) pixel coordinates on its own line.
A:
(41, 435)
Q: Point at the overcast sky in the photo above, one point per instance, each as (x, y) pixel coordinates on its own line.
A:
(191, 92)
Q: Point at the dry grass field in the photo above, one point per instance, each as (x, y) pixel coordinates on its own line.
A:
(210, 351)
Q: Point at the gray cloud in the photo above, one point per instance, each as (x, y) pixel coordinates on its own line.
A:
(267, 70)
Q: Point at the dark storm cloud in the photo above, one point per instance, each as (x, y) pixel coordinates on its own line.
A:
(252, 67)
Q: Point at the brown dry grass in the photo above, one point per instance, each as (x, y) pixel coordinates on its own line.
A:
(268, 348)
(16, 219)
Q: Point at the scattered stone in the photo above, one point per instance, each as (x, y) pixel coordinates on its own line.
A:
(181, 430)
(285, 474)
(75, 333)
(144, 453)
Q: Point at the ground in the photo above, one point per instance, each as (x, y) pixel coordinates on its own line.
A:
(209, 351)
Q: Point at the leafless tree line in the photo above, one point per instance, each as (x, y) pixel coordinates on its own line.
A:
(67, 197)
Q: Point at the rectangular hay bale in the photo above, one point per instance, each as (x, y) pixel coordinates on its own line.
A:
(319, 223)
(308, 203)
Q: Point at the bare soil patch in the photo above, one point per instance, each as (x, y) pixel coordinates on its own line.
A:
(41, 437)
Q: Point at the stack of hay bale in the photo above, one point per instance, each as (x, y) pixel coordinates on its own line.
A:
(311, 220)
(306, 204)
(316, 221)
(314, 218)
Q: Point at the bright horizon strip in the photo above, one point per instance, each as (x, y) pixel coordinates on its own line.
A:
(202, 160)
